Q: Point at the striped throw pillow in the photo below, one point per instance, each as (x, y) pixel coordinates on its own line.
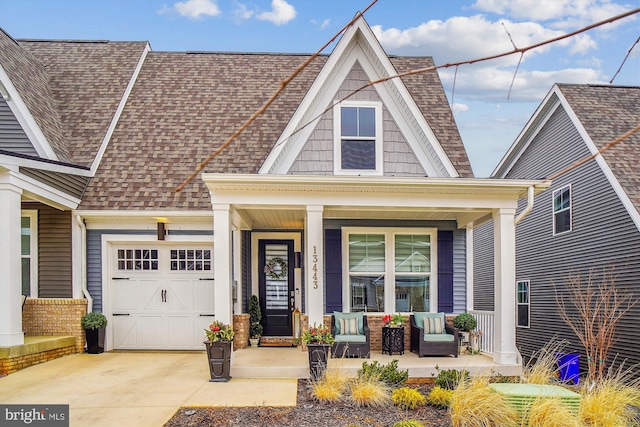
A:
(433, 325)
(348, 326)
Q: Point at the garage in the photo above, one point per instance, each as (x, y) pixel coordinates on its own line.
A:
(162, 295)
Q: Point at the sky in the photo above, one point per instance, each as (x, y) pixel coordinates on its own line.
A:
(488, 114)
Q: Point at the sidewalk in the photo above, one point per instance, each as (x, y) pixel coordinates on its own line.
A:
(136, 389)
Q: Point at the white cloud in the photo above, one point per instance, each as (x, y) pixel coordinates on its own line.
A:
(325, 24)
(195, 9)
(458, 108)
(281, 13)
(560, 13)
(464, 38)
(242, 13)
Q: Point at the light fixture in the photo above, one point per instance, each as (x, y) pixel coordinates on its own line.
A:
(297, 260)
(161, 230)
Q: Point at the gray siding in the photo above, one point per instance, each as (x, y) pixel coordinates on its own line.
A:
(483, 266)
(54, 253)
(316, 157)
(603, 236)
(12, 137)
(73, 185)
(459, 270)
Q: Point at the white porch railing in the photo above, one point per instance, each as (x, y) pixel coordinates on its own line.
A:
(485, 324)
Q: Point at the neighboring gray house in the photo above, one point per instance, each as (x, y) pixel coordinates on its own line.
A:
(588, 219)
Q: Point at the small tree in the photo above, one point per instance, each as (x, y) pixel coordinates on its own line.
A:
(598, 310)
(255, 316)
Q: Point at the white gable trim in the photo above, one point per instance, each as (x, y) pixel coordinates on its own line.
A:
(604, 166)
(25, 118)
(359, 44)
(118, 113)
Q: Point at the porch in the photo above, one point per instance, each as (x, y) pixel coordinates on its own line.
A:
(292, 362)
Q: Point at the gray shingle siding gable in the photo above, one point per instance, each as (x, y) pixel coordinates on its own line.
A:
(603, 236)
(12, 137)
(316, 157)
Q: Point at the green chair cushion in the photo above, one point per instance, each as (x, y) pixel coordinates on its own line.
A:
(351, 338)
(439, 338)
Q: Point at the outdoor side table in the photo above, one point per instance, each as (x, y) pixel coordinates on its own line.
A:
(393, 340)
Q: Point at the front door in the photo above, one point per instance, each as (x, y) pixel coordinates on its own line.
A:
(276, 283)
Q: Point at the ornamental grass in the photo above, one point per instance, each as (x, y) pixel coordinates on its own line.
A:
(369, 392)
(331, 387)
(550, 412)
(475, 404)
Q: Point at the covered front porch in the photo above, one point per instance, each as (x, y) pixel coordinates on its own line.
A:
(312, 205)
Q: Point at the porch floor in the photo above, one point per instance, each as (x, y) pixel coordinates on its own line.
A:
(279, 362)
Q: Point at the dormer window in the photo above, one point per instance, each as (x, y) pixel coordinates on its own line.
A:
(358, 138)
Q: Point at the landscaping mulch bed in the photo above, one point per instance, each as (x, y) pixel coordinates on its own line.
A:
(311, 413)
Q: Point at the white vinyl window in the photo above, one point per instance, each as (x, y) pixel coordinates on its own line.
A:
(29, 252)
(522, 296)
(358, 138)
(389, 270)
(562, 210)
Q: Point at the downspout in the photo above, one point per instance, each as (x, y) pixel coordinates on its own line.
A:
(83, 263)
(529, 206)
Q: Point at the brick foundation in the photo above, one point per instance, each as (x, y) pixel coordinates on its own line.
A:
(241, 329)
(13, 364)
(51, 317)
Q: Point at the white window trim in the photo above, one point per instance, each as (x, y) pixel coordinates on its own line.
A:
(554, 212)
(528, 304)
(337, 139)
(389, 283)
(33, 244)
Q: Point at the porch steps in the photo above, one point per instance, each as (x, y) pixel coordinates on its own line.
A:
(276, 342)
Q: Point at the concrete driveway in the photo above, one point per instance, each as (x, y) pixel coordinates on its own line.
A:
(137, 388)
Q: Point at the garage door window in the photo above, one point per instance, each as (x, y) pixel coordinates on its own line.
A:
(137, 259)
(190, 259)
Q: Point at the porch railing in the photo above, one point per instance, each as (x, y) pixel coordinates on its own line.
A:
(485, 324)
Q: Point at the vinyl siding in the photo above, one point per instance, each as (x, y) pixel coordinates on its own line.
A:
(73, 185)
(54, 253)
(483, 267)
(603, 236)
(12, 137)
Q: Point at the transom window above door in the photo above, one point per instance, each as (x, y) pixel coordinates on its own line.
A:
(358, 138)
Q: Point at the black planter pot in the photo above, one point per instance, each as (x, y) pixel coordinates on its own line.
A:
(318, 357)
(219, 357)
(95, 340)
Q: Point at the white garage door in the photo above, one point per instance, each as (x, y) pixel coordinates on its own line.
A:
(161, 296)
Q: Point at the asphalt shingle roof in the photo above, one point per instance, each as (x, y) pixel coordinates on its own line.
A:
(607, 112)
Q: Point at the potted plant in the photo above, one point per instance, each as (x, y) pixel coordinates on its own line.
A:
(393, 320)
(92, 324)
(218, 345)
(318, 340)
(255, 315)
(465, 322)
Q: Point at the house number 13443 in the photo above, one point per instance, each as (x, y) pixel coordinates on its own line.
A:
(314, 262)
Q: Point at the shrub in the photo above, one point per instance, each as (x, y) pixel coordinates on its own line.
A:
(255, 316)
(450, 378)
(388, 374)
(440, 397)
(475, 404)
(465, 322)
(551, 412)
(369, 392)
(407, 398)
(330, 387)
(93, 321)
(408, 423)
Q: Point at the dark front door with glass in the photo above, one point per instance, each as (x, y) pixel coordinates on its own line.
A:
(276, 286)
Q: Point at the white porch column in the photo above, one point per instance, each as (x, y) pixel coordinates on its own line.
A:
(505, 351)
(314, 264)
(222, 262)
(10, 263)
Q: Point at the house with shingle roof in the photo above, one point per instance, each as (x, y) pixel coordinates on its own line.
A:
(586, 224)
(315, 206)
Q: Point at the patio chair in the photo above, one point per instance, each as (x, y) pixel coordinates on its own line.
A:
(437, 339)
(351, 333)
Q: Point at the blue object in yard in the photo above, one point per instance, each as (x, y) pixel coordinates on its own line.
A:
(569, 367)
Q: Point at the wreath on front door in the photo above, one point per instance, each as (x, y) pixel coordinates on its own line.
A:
(276, 268)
